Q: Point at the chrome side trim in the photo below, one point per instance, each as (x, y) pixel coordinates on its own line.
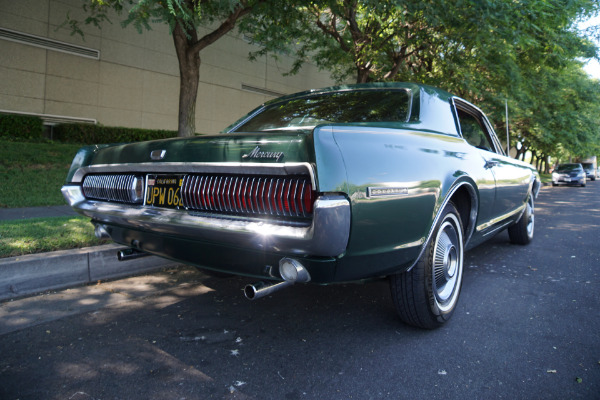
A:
(326, 236)
(497, 229)
(501, 218)
(191, 168)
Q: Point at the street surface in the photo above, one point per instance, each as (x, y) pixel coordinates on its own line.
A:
(527, 326)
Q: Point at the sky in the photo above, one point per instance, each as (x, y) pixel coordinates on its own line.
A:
(592, 67)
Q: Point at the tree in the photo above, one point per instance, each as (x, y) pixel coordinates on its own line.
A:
(485, 51)
(183, 17)
(367, 39)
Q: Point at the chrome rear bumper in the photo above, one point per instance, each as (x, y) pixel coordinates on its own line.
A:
(326, 236)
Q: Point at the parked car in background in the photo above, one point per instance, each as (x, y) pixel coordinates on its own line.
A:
(590, 171)
(569, 174)
(341, 184)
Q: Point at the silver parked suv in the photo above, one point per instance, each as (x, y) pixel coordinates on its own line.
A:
(590, 171)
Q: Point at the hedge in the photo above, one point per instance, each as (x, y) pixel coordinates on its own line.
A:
(21, 127)
(99, 134)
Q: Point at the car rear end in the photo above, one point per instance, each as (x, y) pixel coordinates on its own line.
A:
(233, 203)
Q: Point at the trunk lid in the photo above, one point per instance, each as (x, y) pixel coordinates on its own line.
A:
(240, 148)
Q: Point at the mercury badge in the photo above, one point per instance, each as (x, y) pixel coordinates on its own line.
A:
(257, 154)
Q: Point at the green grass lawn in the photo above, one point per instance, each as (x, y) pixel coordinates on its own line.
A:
(546, 178)
(31, 174)
(37, 235)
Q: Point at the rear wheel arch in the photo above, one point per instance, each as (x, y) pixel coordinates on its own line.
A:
(426, 296)
(466, 202)
(427, 293)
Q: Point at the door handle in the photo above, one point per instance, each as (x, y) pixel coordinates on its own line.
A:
(491, 164)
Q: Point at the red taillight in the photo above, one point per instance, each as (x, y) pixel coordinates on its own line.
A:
(308, 199)
(286, 197)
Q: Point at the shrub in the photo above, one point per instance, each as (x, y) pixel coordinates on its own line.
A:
(21, 127)
(99, 134)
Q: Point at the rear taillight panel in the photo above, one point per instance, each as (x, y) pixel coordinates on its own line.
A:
(274, 196)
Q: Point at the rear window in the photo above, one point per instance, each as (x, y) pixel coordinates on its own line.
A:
(357, 106)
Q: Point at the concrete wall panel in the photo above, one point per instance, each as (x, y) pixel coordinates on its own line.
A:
(135, 82)
(22, 104)
(68, 90)
(20, 57)
(71, 109)
(29, 16)
(161, 93)
(120, 117)
(73, 67)
(159, 121)
(27, 84)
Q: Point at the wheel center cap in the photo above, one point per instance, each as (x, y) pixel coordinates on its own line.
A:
(450, 262)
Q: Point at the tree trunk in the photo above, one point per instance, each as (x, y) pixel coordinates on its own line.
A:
(189, 78)
(362, 75)
(188, 47)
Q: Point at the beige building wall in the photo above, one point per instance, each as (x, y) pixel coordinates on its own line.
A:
(134, 81)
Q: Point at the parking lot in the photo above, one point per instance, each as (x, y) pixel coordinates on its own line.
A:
(527, 327)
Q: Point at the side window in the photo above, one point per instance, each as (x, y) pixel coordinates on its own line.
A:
(473, 131)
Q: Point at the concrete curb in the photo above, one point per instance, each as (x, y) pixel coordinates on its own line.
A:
(34, 273)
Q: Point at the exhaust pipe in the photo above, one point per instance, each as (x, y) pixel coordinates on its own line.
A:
(130, 254)
(290, 270)
(262, 289)
(101, 232)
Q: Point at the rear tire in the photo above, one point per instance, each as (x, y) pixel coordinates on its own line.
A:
(522, 231)
(426, 296)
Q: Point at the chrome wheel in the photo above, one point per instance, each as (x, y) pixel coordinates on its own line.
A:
(447, 264)
(531, 217)
(522, 231)
(426, 295)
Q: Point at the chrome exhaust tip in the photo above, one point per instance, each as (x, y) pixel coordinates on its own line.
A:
(130, 254)
(262, 289)
(100, 232)
(291, 271)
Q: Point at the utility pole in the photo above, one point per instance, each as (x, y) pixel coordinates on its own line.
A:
(507, 134)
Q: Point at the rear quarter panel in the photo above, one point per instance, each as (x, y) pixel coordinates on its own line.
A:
(420, 168)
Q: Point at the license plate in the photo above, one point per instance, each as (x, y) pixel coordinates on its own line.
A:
(164, 191)
(567, 179)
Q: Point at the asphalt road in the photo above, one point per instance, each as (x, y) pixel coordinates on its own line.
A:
(527, 327)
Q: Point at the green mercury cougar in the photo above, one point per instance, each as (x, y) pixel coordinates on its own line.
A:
(333, 185)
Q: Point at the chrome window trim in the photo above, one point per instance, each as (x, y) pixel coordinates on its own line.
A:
(458, 103)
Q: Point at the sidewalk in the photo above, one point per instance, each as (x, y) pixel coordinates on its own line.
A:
(35, 273)
(36, 212)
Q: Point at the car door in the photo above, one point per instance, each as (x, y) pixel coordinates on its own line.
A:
(511, 180)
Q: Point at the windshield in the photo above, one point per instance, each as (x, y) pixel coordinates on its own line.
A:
(588, 166)
(335, 107)
(569, 167)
